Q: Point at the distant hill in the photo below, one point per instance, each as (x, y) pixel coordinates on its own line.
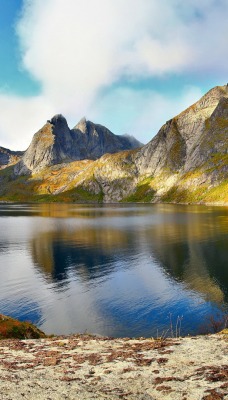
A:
(186, 162)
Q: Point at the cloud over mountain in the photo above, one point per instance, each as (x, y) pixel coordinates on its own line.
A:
(79, 49)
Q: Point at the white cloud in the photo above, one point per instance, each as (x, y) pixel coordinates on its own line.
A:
(75, 48)
(20, 119)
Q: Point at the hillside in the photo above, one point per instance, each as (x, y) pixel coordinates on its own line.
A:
(186, 162)
(8, 157)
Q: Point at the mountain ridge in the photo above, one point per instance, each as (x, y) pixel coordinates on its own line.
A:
(56, 143)
(186, 162)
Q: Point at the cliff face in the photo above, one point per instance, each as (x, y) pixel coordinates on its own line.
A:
(212, 145)
(52, 144)
(179, 143)
(186, 162)
(55, 143)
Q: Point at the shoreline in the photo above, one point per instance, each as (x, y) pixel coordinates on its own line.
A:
(216, 204)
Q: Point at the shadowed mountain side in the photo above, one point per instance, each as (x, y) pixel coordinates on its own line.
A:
(94, 140)
(55, 143)
(8, 157)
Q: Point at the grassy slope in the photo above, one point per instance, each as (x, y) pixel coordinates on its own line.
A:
(57, 184)
(60, 183)
(13, 329)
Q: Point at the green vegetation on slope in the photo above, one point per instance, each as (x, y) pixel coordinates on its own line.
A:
(86, 182)
(197, 194)
(143, 192)
(13, 329)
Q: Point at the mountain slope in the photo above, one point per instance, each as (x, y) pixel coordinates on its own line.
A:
(9, 157)
(56, 143)
(186, 162)
(173, 146)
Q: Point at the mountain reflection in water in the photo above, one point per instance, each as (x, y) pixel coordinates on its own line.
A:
(122, 269)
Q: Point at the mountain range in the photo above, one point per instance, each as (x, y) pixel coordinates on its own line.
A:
(186, 162)
(55, 143)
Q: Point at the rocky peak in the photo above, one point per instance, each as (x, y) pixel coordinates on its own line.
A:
(59, 125)
(58, 119)
(95, 140)
(212, 97)
(52, 144)
(176, 141)
(81, 125)
(56, 143)
(89, 128)
(212, 146)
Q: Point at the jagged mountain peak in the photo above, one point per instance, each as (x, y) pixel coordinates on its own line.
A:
(81, 125)
(84, 125)
(172, 147)
(57, 119)
(55, 143)
(59, 125)
(208, 101)
(217, 91)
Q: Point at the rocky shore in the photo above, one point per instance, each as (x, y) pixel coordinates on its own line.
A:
(91, 367)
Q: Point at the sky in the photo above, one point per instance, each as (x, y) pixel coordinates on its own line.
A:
(127, 64)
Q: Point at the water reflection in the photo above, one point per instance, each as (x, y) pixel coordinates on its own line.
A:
(191, 264)
(189, 248)
(116, 270)
(195, 255)
(87, 252)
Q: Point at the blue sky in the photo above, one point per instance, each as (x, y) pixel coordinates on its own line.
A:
(127, 64)
(13, 79)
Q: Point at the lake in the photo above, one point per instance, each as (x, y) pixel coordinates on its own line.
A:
(116, 270)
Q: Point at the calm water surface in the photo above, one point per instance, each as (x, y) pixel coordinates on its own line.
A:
(114, 270)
